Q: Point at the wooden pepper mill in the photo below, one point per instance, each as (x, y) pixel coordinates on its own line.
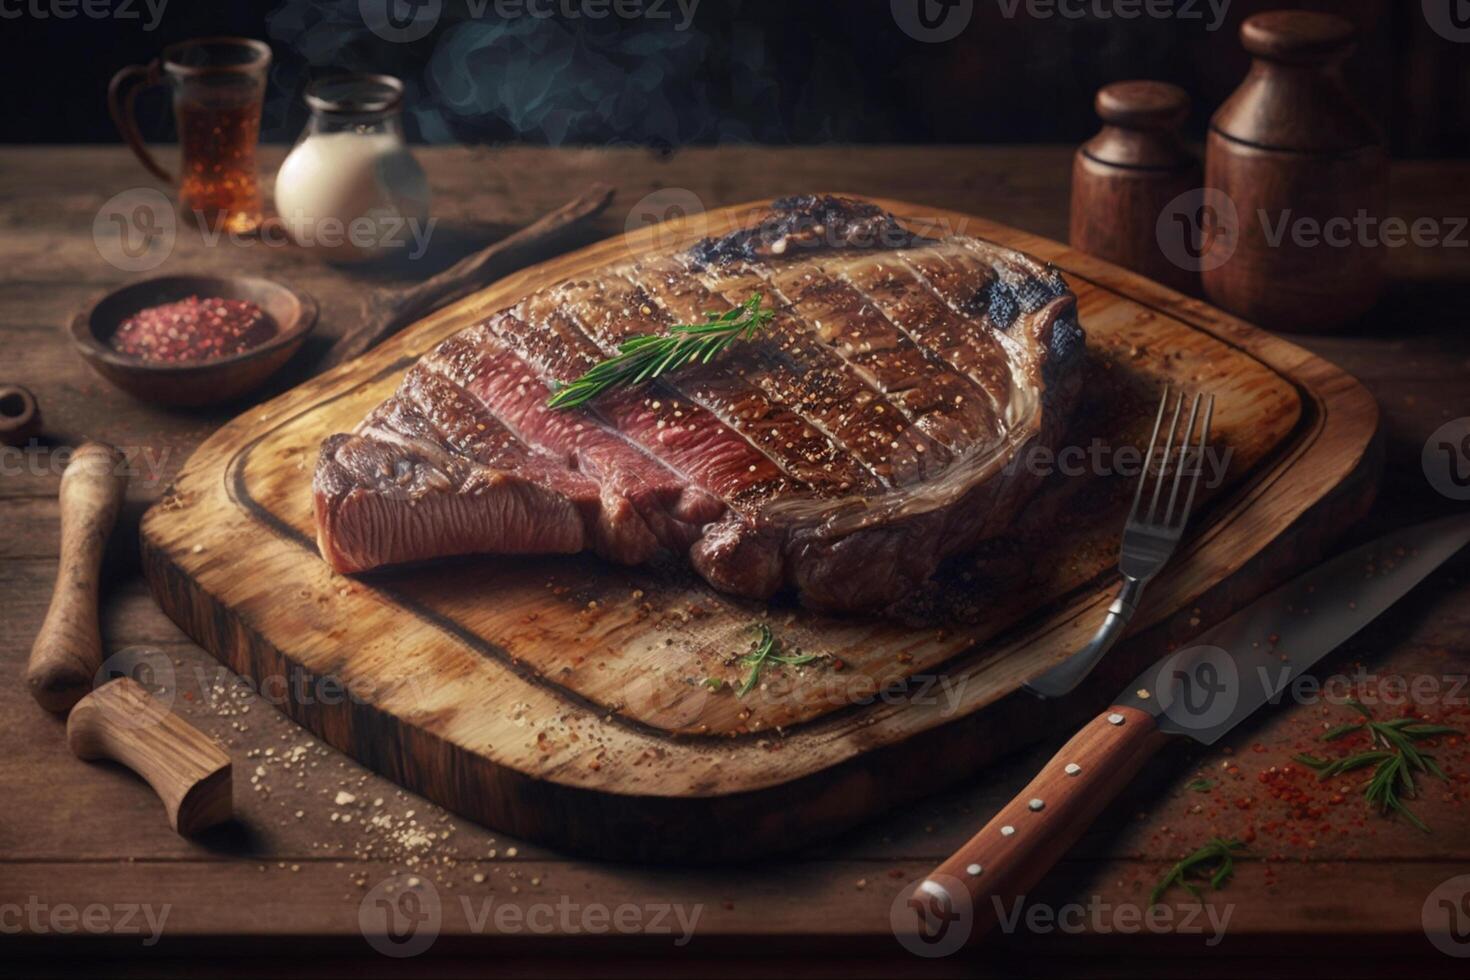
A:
(1127, 175)
(1306, 171)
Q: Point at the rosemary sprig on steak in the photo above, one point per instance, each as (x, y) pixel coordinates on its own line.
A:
(649, 356)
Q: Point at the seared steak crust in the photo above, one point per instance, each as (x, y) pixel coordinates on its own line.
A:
(863, 438)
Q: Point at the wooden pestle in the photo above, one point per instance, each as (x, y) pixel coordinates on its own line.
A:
(189, 772)
(68, 651)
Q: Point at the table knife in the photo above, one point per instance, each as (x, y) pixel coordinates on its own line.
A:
(1201, 691)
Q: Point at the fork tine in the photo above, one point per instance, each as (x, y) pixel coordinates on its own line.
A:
(1164, 460)
(1184, 447)
(1153, 441)
(1194, 481)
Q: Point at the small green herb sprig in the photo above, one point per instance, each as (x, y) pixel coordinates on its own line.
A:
(1394, 755)
(767, 651)
(1215, 861)
(649, 356)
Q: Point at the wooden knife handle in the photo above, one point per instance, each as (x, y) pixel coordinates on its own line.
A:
(394, 310)
(189, 772)
(68, 650)
(1031, 833)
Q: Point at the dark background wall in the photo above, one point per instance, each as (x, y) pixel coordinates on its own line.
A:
(744, 70)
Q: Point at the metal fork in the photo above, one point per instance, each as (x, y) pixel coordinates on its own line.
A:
(1149, 539)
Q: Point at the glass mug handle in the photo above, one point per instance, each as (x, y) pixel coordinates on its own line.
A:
(121, 105)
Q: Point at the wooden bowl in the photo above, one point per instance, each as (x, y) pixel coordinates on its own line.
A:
(196, 383)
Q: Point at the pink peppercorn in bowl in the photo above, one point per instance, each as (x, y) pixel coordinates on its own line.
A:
(190, 341)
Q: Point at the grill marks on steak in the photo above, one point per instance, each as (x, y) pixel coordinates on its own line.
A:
(811, 462)
(724, 433)
(644, 505)
(942, 403)
(844, 452)
(796, 368)
(897, 290)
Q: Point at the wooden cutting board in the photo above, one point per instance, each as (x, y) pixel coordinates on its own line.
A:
(577, 703)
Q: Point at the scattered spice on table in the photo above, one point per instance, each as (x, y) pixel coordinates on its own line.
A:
(193, 329)
(1281, 809)
(1392, 753)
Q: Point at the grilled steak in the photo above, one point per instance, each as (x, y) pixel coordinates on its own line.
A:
(861, 439)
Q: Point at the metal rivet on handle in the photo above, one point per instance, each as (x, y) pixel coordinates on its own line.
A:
(1073, 769)
(974, 870)
(1115, 719)
(1036, 805)
(1007, 830)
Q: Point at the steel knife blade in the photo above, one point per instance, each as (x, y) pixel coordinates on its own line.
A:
(1250, 659)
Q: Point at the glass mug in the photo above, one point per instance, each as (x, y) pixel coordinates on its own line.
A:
(218, 88)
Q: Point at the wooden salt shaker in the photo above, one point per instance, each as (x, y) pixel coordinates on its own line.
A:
(1126, 175)
(1306, 171)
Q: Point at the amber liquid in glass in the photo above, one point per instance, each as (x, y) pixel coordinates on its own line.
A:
(219, 126)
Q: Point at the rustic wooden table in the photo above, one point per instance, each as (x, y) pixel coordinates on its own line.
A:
(89, 867)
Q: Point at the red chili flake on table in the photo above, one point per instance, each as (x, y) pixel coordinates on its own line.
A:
(193, 329)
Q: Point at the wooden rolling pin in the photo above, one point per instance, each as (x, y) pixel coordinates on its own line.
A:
(189, 772)
(68, 651)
